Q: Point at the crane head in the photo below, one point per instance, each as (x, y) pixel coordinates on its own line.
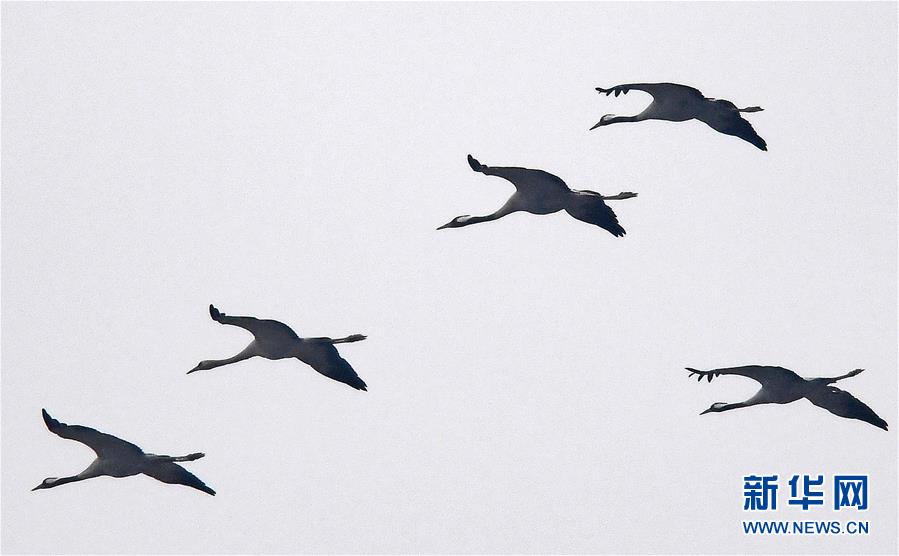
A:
(456, 222)
(715, 408)
(47, 483)
(605, 120)
(201, 366)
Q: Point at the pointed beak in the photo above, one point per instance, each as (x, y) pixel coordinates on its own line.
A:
(709, 410)
(195, 369)
(444, 226)
(38, 487)
(596, 126)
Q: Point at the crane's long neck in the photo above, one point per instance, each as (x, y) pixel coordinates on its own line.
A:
(221, 362)
(249, 351)
(88, 473)
(503, 211)
(737, 405)
(613, 119)
(479, 219)
(619, 119)
(65, 480)
(721, 406)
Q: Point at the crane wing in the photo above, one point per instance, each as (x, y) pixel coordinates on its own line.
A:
(761, 374)
(105, 445)
(588, 206)
(842, 403)
(521, 178)
(323, 357)
(730, 122)
(670, 90)
(172, 473)
(262, 329)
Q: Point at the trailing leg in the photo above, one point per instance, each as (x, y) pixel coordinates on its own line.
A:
(620, 196)
(348, 339)
(850, 374)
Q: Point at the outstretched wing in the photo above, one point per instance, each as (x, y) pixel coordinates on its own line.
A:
(105, 445)
(842, 403)
(173, 473)
(521, 178)
(263, 330)
(669, 90)
(730, 122)
(323, 357)
(588, 206)
(761, 374)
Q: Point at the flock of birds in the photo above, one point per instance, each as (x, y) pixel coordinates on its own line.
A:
(536, 192)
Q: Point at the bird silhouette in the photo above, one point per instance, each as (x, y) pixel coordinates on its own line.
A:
(276, 340)
(678, 103)
(782, 386)
(118, 458)
(540, 192)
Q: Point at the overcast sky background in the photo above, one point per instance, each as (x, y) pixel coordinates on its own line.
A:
(527, 390)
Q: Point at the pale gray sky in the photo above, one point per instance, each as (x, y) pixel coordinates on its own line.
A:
(527, 391)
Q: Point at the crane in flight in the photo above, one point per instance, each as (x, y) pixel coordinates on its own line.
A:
(276, 340)
(678, 103)
(540, 192)
(782, 386)
(119, 458)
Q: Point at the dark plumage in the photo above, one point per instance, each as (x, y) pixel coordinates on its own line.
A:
(540, 192)
(276, 340)
(678, 103)
(782, 386)
(119, 458)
